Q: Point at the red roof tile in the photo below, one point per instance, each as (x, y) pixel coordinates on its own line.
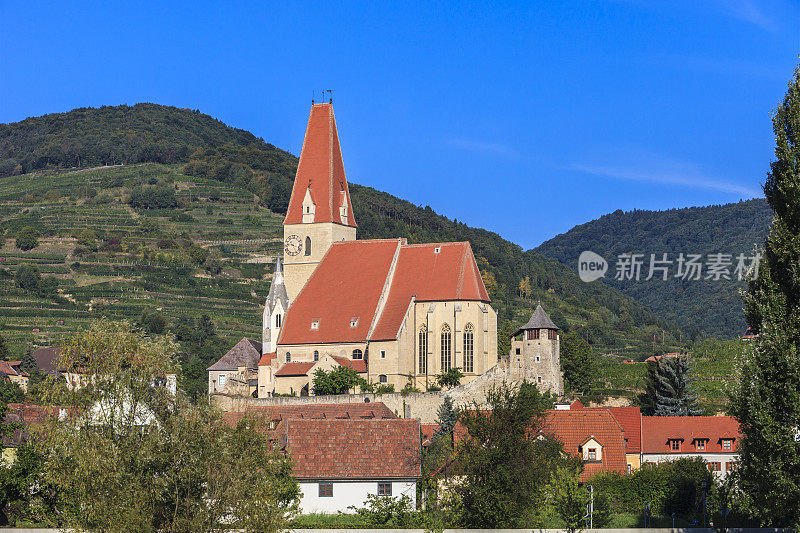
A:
(6, 369)
(347, 284)
(574, 428)
(421, 271)
(630, 418)
(299, 368)
(321, 170)
(267, 358)
(657, 431)
(281, 413)
(354, 449)
(359, 365)
(349, 281)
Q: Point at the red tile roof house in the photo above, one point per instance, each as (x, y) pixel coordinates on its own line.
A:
(11, 371)
(23, 416)
(594, 436)
(714, 438)
(338, 463)
(630, 419)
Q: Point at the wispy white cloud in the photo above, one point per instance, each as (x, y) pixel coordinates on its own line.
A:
(676, 174)
(747, 11)
(483, 147)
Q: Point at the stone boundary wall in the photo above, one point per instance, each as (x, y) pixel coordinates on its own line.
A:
(422, 405)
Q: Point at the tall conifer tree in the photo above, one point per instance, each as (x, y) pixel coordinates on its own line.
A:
(768, 402)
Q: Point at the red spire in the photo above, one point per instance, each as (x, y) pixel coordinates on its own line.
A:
(320, 172)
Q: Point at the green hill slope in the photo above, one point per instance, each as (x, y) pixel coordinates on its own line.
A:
(712, 306)
(229, 187)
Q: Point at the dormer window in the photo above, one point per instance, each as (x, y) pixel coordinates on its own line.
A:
(308, 207)
(592, 454)
(437, 249)
(315, 325)
(727, 444)
(354, 322)
(700, 444)
(675, 445)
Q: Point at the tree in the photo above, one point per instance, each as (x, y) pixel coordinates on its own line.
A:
(490, 282)
(27, 238)
(767, 403)
(674, 393)
(136, 456)
(668, 388)
(446, 416)
(339, 380)
(566, 497)
(504, 470)
(525, 287)
(504, 338)
(386, 511)
(28, 363)
(450, 378)
(4, 351)
(577, 362)
(28, 278)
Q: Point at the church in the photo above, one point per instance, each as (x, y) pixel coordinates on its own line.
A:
(395, 312)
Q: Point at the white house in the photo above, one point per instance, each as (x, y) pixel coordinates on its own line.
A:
(712, 438)
(339, 462)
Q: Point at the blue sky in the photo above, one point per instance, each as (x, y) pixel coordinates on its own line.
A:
(524, 118)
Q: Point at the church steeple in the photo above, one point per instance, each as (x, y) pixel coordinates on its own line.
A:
(319, 212)
(320, 192)
(274, 309)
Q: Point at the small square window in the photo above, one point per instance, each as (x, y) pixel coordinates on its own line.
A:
(326, 490)
(701, 444)
(354, 322)
(629, 469)
(384, 489)
(714, 466)
(538, 359)
(382, 379)
(592, 454)
(518, 351)
(315, 325)
(437, 249)
(383, 354)
(726, 444)
(538, 379)
(675, 445)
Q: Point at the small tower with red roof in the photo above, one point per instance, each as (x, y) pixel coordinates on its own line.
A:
(536, 353)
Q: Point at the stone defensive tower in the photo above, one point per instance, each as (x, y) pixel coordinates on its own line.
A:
(535, 353)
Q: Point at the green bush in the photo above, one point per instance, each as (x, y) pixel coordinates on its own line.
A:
(27, 238)
(153, 198)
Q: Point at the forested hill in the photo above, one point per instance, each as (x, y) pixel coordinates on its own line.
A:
(206, 148)
(147, 133)
(712, 306)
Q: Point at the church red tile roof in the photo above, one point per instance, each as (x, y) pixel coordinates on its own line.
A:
(346, 285)
(349, 281)
(321, 170)
(657, 431)
(574, 428)
(267, 358)
(354, 449)
(421, 271)
(359, 365)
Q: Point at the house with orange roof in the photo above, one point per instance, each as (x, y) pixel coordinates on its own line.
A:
(630, 420)
(12, 371)
(338, 463)
(713, 438)
(387, 308)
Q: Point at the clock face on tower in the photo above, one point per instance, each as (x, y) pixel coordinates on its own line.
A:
(293, 245)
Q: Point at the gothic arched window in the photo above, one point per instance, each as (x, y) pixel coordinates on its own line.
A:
(288, 357)
(469, 348)
(423, 350)
(446, 348)
(316, 355)
(358, 354)
(308, 246)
